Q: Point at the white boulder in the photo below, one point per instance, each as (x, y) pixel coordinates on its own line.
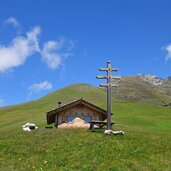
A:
(110, 132)
(29, 127)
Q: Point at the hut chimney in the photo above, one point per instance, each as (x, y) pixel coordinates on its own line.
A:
(59, 104)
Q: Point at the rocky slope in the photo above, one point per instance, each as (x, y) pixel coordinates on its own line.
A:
(149, 88)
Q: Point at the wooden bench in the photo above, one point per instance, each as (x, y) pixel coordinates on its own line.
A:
(100, 124)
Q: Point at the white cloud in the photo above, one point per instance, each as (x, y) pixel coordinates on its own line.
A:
(168, 49)
(50, 54)
(1, 102)
(19, 50)
(36, 87)
(55, 52)
(13, 21)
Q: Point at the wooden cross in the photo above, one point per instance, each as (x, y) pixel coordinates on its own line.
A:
(109, 85)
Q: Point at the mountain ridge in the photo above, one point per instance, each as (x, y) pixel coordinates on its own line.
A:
(143, 87)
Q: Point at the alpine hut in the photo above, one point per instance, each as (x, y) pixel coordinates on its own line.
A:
(77, 114)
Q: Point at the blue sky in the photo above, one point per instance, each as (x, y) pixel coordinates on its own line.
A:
(46, 45)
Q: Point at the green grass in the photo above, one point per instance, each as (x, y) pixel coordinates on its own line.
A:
(144, 147)
(83, 150)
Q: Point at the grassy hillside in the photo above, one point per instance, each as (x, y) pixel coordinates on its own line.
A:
(13, 117)
(145, 145)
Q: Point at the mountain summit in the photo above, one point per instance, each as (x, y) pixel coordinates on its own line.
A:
(152, 79)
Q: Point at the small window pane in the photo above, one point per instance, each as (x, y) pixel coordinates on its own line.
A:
(69, 119)
(87, 119)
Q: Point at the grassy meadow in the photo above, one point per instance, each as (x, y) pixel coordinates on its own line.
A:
(146, 145)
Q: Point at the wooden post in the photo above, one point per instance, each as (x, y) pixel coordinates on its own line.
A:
(56, 121)
(109, 85)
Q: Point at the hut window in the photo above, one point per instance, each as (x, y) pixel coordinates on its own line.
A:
(70, 119)
(87, 119)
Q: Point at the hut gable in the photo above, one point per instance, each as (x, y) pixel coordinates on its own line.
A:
(76, 114)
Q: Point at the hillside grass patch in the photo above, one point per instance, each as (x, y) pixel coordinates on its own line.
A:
(61, 149)
(144, 147)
